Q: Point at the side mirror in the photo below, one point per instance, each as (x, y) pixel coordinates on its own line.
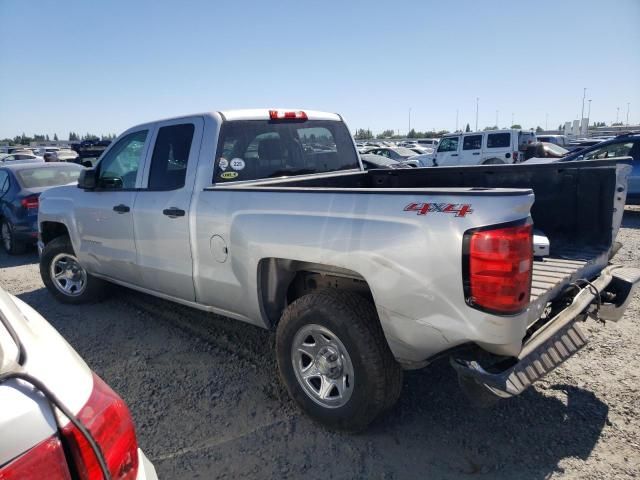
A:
(87, 164)
(87, 179)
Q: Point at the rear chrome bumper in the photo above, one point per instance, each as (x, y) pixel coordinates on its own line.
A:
(557, 340)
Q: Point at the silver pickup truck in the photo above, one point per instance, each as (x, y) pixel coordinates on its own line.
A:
(266, 216)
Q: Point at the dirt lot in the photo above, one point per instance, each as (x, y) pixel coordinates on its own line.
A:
(207, 402)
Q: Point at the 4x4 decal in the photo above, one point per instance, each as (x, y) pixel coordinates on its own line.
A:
(459, 209)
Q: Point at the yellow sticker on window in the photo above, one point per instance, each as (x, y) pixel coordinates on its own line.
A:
(229, 175)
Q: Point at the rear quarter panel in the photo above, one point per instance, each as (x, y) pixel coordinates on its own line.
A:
(412, 263)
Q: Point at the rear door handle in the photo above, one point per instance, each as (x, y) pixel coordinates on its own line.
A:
(476, 153)
(454, 154)
(121, 208)
(173, 212)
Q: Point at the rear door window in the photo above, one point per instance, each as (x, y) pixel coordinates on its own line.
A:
(498, 140)
(256, 149)
(4, 182)
(170, 156)
(472, 142)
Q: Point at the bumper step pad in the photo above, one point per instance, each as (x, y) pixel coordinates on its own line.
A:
(536, 364)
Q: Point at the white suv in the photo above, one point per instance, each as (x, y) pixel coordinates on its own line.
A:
(483, 148)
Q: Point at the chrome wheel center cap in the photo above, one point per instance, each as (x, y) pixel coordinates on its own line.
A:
(329, 362)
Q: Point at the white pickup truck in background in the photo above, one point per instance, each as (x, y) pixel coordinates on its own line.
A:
(267, 217)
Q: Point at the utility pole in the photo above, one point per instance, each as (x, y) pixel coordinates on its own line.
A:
(457, 119)
(627, 114)
(477, 105)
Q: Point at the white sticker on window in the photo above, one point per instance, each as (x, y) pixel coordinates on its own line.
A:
(223, 163)
(237, 164)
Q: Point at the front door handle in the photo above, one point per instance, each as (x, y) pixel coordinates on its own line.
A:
(454, 154)
(476, 153)
(173, 212)
(121, 208)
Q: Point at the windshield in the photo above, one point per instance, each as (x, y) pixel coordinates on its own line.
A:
(404, 152)
(254, 149)
(48, 177)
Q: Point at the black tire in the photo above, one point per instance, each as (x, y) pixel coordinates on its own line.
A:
(377, 377)
(94, 290)
(10, 244)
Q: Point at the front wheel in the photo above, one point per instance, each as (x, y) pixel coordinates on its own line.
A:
(65, 278)
(334, 360)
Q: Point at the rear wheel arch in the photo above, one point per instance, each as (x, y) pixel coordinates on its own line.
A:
(282, 281)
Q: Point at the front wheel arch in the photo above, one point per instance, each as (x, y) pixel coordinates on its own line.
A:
(52, 230)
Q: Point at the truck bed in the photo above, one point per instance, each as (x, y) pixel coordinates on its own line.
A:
(578, 207)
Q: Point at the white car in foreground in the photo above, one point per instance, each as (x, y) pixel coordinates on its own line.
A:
(89, 435)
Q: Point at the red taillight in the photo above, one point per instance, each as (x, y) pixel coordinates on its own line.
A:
(280, 115)
(30, 202)
(45, 460)
(499, 267)
(108, 419)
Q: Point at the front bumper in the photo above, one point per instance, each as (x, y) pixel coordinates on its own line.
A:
(557, 340)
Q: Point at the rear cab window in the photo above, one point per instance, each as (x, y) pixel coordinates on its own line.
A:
(48, 177)
(260, 149)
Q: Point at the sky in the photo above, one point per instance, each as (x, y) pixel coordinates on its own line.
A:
(103, 66)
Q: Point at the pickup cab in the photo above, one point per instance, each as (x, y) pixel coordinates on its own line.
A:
(267, 217)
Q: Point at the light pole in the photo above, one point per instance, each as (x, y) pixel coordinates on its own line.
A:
(546, 122)
(497, 118)
(409, 122)
(588, 116)
(456, 119)
(477, 106)
(584, 94)
(617, 114)
(627, 114)
(512, 124)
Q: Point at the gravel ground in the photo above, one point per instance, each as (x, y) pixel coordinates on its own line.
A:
(207, 403)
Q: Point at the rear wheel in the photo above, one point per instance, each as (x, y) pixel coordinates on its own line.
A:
(334, 360)
(65, 278)
(9, 242)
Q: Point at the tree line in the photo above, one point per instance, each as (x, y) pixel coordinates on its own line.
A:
(38, 137)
